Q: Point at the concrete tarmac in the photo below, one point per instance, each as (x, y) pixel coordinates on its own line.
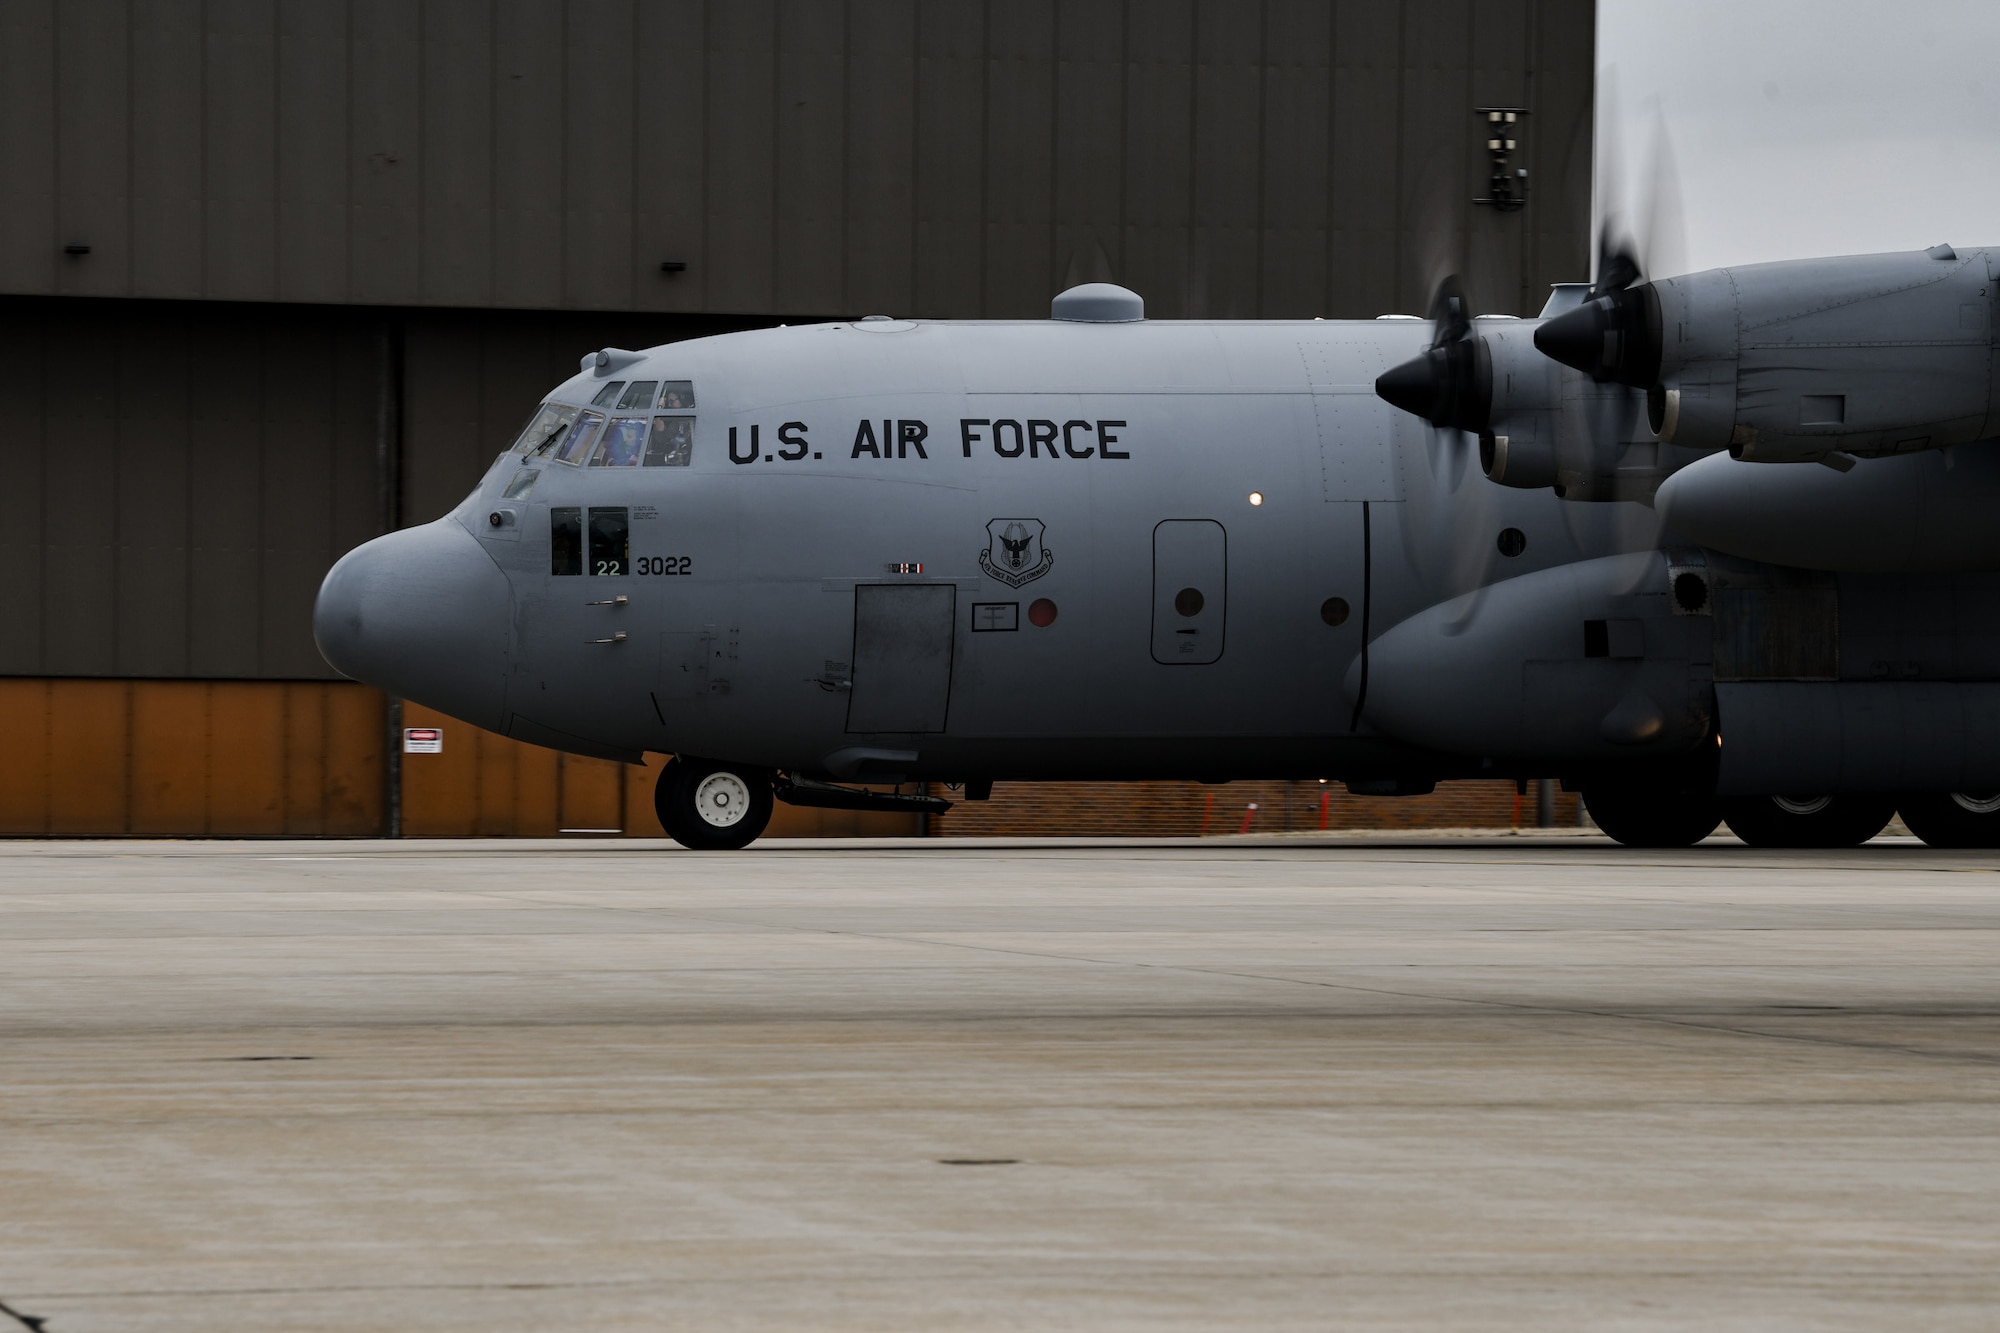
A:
(1288, 1083)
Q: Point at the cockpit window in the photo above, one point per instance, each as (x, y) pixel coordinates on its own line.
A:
(575, 446)
(624, 443)
(639, 395)
(607, 393)
(677, 395)
(566, 540)
(545, 426)
(671, 443)
(610, 541)
(522, 484)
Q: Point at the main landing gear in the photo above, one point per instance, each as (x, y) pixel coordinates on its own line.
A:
(1807, 821)
(1666, 814)
(712, 807)
(1954, 819)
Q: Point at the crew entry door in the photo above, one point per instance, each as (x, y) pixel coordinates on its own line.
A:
(1190, 587)
(902, 656)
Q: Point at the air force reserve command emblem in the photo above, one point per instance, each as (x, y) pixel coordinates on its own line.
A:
(1014, 552)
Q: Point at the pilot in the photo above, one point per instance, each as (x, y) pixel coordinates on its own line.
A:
(624, 444)
(672, 444)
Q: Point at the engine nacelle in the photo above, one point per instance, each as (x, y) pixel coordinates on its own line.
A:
(1585, 662)
(1923, 513)
(1866, 354)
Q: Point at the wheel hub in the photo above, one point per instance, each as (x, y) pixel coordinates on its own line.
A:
(721, 799)
(1802, 805)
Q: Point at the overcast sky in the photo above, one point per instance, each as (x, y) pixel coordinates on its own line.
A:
(1804, 127)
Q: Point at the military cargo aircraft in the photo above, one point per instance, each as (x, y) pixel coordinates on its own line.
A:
(1710, 547)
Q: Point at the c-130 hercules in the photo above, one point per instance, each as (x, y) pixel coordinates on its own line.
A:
(1711, 547)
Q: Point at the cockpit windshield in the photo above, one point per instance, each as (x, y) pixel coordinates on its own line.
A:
(575, 445)
(545, 427)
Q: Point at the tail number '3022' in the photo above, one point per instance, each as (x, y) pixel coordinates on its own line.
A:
(665, 564)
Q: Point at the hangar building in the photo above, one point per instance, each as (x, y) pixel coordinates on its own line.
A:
(279, 275)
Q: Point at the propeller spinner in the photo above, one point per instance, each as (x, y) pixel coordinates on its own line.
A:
(1451, 384)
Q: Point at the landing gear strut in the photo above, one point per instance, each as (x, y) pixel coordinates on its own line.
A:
(712, 807)
(1807, 821)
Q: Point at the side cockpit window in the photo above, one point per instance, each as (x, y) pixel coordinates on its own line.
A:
(677, 396)
(639, 395)
(545, 426)
(566, 541)
(671, 442)
(608, 394)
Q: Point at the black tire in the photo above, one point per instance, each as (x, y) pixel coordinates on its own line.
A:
(1648, 816)
(1807, 821)
(712, 807)
(1953, 819)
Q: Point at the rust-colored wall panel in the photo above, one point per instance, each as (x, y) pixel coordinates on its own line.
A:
(186, 758)
(593, 795)
(89, 729)
(24, 776)
(304, 759)
(353, 786)
(640, 821)
(246, 778)
(169, 756)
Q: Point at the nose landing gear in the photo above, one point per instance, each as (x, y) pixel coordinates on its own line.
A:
(708, 806)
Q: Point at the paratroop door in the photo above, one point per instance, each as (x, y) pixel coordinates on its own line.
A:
(1190, 588)
(902, 656)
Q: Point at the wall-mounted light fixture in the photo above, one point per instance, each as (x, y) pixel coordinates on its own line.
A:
(1507, 187)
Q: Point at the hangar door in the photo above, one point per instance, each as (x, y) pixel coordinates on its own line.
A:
(1190, 586)
(902, 656)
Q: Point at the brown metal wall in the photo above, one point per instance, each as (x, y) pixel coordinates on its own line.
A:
(190, 757)
(928, 157)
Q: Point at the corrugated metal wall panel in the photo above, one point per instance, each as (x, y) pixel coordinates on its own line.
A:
(28, 244)
(669, 143)
(1298, 85)
(801, 156)
(1228, 164)
(155, 523)
(24, 536)
(599, 62)
(1089, 140)
(1159, 158)
(950, 190)
(311, 118)
(1020, 159)
(385, 162)
(880, 216)
(812, 132)
(528, 183)
(457, 153)
(92, 119)
(166, 164)
(741, 84)
(1366, 150)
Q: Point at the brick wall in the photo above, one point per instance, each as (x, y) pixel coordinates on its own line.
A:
(1188, 809)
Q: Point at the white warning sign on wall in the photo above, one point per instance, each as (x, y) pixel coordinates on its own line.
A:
(423, 740)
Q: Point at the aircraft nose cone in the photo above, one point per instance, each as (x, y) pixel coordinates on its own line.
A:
(424, 614)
